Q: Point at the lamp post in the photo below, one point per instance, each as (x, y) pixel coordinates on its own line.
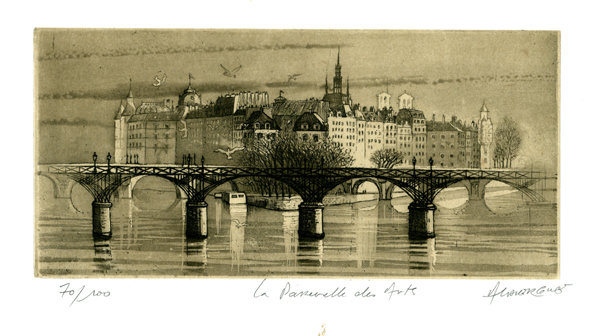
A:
(94, 157)
(108, 162)
(414, 163)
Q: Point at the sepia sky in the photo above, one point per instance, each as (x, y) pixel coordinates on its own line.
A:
(82, 74)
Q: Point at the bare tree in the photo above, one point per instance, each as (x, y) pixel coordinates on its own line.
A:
(386, 158)
(507, 142)
(289, 151)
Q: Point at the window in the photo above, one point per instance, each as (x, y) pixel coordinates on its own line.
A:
(267, 126)
(316, 127)
(315, 138)
(257, 125)
(305, 137)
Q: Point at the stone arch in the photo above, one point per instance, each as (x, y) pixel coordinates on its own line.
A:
(62, 185)
(359, 182)
(531, 194)
(126, 189)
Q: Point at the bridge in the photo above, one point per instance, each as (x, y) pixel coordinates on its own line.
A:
(312, 184)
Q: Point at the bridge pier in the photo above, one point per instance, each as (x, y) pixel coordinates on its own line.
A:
(310, 220)
(101, 219)
(421, 220)
(196, 220)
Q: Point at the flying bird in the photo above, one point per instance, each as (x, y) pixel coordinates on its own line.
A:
(293, 77)
(229, 151)
(231, 73)
(238, 223)
(159, 79)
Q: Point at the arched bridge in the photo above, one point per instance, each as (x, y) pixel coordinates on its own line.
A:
(312, 184)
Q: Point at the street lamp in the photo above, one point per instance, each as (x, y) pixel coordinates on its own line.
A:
(94, 157)
(109, 162)
(414, 162)
(431, 162)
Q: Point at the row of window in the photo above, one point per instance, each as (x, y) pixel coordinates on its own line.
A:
(315, 127)
(257, 125)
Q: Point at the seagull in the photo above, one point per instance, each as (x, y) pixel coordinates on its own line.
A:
(293, 77)
(231, 73)
(158, 81)
(238, 223)
(229, 151)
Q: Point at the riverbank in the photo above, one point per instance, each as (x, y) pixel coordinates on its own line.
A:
(292, 203)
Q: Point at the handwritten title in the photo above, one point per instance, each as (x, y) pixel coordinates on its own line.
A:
(292, 291)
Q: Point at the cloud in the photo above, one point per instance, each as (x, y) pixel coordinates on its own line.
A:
(73, 122)
(158, 50)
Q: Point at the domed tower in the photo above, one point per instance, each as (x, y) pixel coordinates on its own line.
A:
(121, 118)
(485, 138)
(190, 97)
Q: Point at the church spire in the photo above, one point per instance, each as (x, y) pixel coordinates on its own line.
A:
(129, 94)
(337, 84)
(347, 86)
(483, 108)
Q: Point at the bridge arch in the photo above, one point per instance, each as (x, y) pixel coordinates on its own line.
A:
(357, 184)
(531, 194)
(62, 186)
(127, 187)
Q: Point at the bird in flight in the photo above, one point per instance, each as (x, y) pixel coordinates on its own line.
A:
(228, 152)
(159, 79)
(231, 73)
(293, 77)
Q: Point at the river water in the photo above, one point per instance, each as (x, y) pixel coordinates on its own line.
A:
(504, 237)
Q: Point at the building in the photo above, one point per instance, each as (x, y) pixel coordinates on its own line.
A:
(485, 138)
(445, 144)
(310, 127)
(260, 125)
(151, 134)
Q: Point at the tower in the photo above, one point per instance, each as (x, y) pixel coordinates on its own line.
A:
(405, 101)
(485, 138)
(121, 118)
(384, 100)
(338, 79)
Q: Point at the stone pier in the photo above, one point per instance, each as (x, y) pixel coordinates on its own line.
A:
(310, 220)
(421, 220)
(196, 220)
(101, 219)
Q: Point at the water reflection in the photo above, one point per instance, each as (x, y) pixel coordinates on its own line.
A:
(290, 236)
(237, 221)
(310, 254)
(102, 255)
(368, 238)
(195, 254)
(365, 221)
(422, 257)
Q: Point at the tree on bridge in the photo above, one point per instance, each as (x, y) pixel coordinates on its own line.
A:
(290, 151)
(507, 142)
(386, 158)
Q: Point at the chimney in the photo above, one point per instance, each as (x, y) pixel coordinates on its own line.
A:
(443, 118)
(453, 118)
